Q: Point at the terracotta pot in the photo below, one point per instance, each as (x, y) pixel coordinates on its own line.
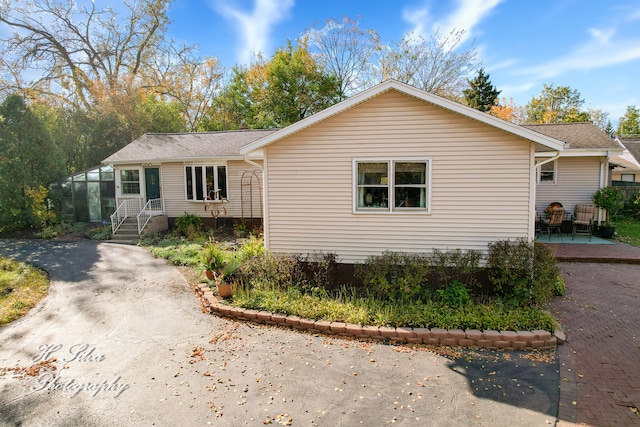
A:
(209, 274)
(225, 289)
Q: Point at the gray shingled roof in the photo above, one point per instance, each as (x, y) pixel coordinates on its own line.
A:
(633, 145)
(578, 135)
(183, 146)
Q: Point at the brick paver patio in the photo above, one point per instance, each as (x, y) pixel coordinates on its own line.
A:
(600, 363)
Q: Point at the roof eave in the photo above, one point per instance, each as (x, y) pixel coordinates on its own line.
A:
(174, 160)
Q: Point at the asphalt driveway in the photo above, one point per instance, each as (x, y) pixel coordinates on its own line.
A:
(121, 340)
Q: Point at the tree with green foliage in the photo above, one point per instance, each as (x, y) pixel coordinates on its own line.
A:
(482, 94)
(629, 123)
(28, 160)
(559, 104)
(296, 86)
(288, 87)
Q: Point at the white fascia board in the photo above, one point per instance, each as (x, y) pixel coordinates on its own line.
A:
(584, 152)
(177, 160)
(417, 93)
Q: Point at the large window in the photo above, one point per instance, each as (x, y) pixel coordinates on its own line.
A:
(208, 182)
(547, 173)
(130, 181)
(392, 185)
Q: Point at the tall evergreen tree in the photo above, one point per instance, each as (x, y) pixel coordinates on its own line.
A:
(482, 94)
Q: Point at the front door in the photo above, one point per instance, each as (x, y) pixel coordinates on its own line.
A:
(152, 183)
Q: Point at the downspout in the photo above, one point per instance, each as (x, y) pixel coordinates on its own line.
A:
(252, 163)
(264, 198)
(549, 160)
(604, 178)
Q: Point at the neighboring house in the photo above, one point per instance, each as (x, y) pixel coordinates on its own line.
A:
(396, 168)
(182, 170)
(581, 169)
(628, 164)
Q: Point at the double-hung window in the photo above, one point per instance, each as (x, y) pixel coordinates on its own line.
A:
(129, 181)
(206, 182)
(547, 173)
(392, 185)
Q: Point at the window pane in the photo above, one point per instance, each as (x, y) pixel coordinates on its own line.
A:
(222, 181)
(410, 197)
(199, 183)
(373, 197)
(130, 188)
(410, 173)
(130, 175)
(211, 188)
(189, 180)
(372, 174)
(93, 175)
(79, 177)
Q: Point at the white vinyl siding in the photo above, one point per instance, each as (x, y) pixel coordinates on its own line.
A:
(577, 179)
(480, 182)
(173, 190)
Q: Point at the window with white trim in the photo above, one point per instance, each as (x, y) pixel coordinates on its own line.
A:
(547, 173)
(130, 181)
(208, 182)
(392, 185)
(628, 177)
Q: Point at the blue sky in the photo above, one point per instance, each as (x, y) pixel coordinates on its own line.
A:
(590, 45)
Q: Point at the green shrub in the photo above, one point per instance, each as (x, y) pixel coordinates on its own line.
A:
(252, 247)
(323, 269)
(179, 253)
(213, 257)
(523, 273)
(99, 233)
(396, 276)
(273, 270)
(456, 265)
(188, 224)
(455, 294)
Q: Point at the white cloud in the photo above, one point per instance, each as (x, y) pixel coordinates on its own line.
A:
(466, 16)
(601, 50)
(255, 26)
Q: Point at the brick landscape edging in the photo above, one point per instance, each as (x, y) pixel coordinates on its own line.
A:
(472, 338)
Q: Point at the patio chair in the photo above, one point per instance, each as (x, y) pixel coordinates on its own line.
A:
(583, 220)
(554, 222)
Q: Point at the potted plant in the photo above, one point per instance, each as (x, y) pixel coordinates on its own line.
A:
(228, 277)
(213, 259)
(610, 200)
(240, 229)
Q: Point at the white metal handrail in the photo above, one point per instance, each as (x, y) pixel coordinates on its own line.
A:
(153, 207)
(128, 208)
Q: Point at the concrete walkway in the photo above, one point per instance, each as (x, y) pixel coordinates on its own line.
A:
(121, 340)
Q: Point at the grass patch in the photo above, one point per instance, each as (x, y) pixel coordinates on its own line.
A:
(21, 288)
(628, 230)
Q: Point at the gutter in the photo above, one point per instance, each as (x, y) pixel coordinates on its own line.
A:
(549, 160)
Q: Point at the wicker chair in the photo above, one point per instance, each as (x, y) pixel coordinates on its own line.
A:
(554, 222)
(583, 220)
